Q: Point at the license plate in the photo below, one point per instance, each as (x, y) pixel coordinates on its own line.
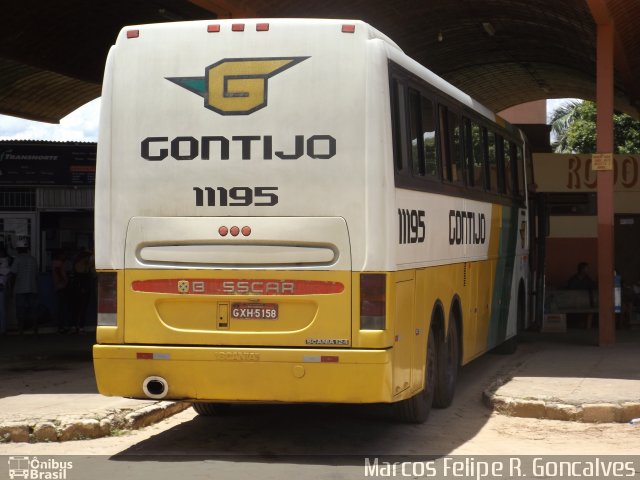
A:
(254, 311)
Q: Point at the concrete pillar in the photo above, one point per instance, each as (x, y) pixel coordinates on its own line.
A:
(604, 131)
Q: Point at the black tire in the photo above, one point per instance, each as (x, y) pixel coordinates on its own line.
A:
(416, 409)
(211, 409)
(448, 362)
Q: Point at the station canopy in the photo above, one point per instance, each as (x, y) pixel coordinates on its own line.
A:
(501, 52)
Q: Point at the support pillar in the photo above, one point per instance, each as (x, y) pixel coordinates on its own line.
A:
(604, 144)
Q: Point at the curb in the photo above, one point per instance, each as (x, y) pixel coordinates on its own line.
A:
(555, 410)
(67, 428)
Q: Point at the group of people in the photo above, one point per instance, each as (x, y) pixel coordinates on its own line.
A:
(72, 289)
(20, 276)
(19, 280)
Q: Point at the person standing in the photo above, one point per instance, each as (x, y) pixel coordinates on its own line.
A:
(60, 283)
(5, 271)
(80, 290)
(25, 286)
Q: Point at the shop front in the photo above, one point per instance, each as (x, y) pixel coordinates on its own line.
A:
(46, 203)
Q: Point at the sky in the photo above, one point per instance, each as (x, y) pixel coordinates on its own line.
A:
(82, 125)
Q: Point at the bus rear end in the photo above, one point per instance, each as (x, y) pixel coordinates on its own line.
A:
(230, 219)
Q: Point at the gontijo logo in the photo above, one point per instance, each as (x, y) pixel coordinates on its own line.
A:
(236, 86)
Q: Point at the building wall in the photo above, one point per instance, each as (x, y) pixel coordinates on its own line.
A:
(569, 185)
(530, 112)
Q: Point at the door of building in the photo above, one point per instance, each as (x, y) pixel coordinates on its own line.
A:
(627, 248)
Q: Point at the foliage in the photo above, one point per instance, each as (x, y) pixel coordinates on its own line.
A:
(573, 125)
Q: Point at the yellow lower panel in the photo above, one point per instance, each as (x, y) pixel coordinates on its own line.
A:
(247, 374)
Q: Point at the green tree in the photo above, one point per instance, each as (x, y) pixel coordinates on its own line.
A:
(573, 125)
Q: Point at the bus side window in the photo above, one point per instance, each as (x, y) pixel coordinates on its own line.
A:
(455, 147)
(492, 164)
(528, 161)
(398, 124)
(509, 171)
(520, 177)
(444, 141)
(468, 150)
(422, 125)
(417, 140)
(500, 163)
(429, 137)
(478, 149)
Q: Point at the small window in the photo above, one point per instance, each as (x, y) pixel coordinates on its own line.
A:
(429, 137)
(455, 144)
(451, 140)
(422, 125)
(398, 123)
(445, 158)
(508, 155)
(520, 170)
(468, 151)
(477, 146)
(500, 163)
(492, 155)
(415, 128)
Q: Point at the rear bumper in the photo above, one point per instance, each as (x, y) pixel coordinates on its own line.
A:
(247, 374)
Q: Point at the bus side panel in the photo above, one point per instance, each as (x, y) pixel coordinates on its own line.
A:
(404, 330)
(503, 280)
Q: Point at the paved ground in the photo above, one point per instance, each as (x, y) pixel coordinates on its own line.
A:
(48, 392)
(568, 377)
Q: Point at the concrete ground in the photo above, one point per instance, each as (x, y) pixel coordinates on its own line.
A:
(568, 377)
(48, 391)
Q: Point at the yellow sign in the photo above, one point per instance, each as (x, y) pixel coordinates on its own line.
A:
(602, 161)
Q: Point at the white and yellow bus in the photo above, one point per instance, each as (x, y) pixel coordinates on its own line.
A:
(296, 211)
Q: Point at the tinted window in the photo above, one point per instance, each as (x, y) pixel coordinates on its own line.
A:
(479, 160)
(509, 158)
(424, 158)
(397, 110)
(429, 137)
(492, 156)
(520, 170)
(415, 128)
(455, 144)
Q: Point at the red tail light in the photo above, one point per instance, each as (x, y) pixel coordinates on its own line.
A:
(107, 298)
(373, 301)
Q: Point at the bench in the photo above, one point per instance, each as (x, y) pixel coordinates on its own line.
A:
(569, 301)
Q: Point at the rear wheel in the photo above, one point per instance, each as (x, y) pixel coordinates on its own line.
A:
(448, 361)
(416, 409)
(211, 409)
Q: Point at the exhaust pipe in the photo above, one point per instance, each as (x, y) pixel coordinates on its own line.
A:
(155, 387)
